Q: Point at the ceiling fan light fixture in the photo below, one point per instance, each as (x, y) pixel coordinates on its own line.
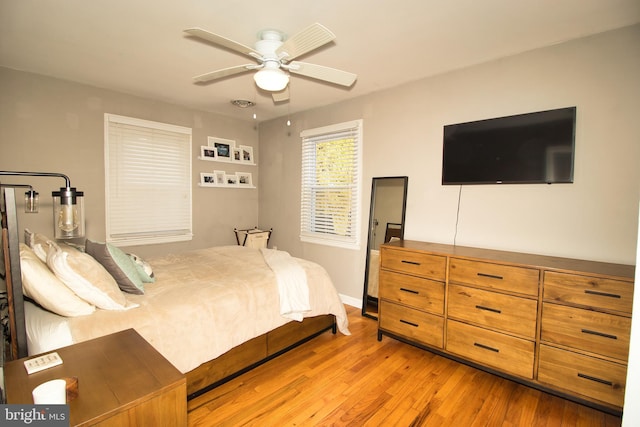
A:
(273, 80)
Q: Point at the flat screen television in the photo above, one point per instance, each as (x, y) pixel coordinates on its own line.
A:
(527, 148)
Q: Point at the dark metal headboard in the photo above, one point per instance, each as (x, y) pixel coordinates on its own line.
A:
(13, 276)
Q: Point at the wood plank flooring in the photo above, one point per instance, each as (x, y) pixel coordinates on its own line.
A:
(337, 380)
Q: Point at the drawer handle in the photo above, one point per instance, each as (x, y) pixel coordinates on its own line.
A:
(598, 380)
(486, 347)
(601, 294)
(490, 276)
(600, 334)
(409, 323)
(494, 310)
(411, 291)
(410, 262)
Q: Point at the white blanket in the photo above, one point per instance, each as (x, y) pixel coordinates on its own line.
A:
(292, 283)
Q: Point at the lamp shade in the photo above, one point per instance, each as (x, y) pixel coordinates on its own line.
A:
(68, 213)
(31, 199)
(271, 79)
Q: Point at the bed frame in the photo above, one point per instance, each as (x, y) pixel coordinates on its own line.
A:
(255, 352)
(199, 380)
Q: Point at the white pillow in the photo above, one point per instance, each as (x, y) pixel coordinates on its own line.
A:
(86, 277)
(39, 243)
(40, 284)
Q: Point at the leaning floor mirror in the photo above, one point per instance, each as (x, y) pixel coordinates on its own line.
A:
(386, 221)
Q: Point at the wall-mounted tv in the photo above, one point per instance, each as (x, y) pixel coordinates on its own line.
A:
(527, 148)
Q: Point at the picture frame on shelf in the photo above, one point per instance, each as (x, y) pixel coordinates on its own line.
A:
(237, 154)
(244, 179)
(223, 152)
(208, 153)
(246, 154)
(231, 179)
(219, 177)
(224, 147)
(207, 178)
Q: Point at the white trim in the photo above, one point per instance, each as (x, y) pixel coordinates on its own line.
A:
(146, 123)
(329, 240)
(631, 413)
(318, 135)
(331, 128)
(353, 302)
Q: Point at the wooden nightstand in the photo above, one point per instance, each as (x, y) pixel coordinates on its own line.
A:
(122, 380)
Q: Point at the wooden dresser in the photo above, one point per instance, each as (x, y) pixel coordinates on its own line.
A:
(560, 325)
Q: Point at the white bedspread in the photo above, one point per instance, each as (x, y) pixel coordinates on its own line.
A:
(208, 301)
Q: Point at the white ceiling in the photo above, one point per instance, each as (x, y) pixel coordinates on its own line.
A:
(138, 46)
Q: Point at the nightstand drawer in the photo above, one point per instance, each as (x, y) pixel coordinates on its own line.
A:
(423, 294)
(592, 292)
(494, 276)
(591, 331)
(503, 352)
(415, 263)
(497, 311)
(589, 376)
(413, 324)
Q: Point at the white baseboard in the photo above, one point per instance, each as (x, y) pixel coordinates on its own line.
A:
(353, 302)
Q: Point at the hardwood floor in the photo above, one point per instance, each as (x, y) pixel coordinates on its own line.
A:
(337, 380)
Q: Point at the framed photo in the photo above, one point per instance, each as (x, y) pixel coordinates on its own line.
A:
(208, 153)
(231, 179)
(244, 179)
(246, 154)
(224, 147)
(207, 178)
(219, 177)
(237, 154)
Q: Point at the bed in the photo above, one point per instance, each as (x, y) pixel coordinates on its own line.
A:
(213, 313)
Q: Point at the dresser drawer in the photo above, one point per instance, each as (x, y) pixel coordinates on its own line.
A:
(593, 292)
(416, 263)
(589, 376)
(413, 324)
(497, 311)
(601, 333)
(495, 276)
(423, 294)
(503, 352)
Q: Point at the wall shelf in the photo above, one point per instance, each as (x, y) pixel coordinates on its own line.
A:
(218, 160)
(248, 187)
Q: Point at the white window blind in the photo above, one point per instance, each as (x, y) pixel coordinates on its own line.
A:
(331, 181)
(148, 181)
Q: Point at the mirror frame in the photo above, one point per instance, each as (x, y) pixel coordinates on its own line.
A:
(371, 238)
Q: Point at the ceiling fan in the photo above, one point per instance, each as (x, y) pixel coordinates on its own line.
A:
(274, 56)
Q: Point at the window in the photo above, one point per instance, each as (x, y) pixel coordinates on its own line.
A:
(148, 181)
(331, 178)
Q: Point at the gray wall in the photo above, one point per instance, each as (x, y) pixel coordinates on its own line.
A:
(56, 126)
(52, 125)
(593, 218)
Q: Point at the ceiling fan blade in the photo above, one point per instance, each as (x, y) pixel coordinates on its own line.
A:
(281, 96)
(222, 41)
(225, 72)
(305, 41)
(320, 72)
